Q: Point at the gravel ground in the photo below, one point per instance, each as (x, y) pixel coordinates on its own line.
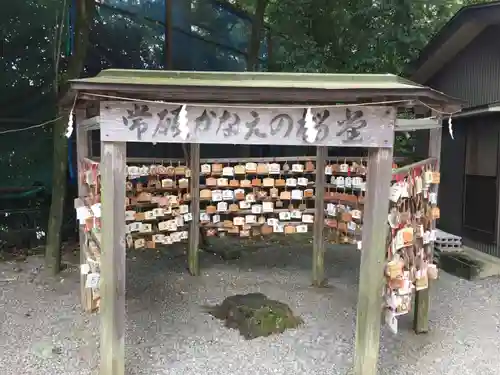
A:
(43, 331)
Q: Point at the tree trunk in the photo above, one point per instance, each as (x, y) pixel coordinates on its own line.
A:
(59, 170)
(84, 17)
(255, 36)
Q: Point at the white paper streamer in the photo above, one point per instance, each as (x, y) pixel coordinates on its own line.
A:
(69, 129)
(450, 127)
(310, 125)
(183, 123)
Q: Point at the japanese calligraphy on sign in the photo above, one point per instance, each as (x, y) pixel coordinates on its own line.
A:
(362, 126)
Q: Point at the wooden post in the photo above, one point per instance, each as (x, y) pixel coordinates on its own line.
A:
(422, 297)
(194, 228)
(318, 264)
(112, 283)
(373, 255)
(82, 151)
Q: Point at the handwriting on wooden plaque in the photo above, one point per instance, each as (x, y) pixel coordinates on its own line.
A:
(336, 126)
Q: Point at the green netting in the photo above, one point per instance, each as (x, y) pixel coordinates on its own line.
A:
(207, 35)
(26, 158)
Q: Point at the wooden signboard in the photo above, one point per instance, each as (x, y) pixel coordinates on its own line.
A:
(361, 126)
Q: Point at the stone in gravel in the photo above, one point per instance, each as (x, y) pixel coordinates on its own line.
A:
(45, 350)
(255, 315)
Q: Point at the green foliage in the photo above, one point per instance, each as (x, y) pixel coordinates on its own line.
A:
(346, 36)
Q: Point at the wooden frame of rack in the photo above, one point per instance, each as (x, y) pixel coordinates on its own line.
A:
(271, 109)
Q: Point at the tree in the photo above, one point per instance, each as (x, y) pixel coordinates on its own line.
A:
(310, 36)
(256, 35)
(85, 10)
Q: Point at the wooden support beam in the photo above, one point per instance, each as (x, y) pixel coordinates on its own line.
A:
(422, 297)
(318, 263)
(112, 283)
(280, 159)
(92, 123)
(194, 228)
(82, 151)
(373, 255)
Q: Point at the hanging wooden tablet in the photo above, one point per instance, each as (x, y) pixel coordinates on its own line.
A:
(211, 209)
(216, 195)
(256, 182)
(251, 168)
(144, 197)
(245, 183)
(238, 220)
(274, 169)
(239, 194)
(129, 215)
(291, 182)
(268, 182)
(217, 169)
(180, 170)
(140, 243)
(266, 229)
(284, 216)
(267, 207)
(280, 182)
(211, 181)
(262, 169)
(250, 219)
(302, 181)
(328, 170)
(308, 219)
(244, 205)
(140, 216)
(239, 170)
(222, 182)
(297, 194)
(257, 208)
(436, 178)
(228, 171)
(245, 233)
(227, 195)
(205, 169)
(261, 195)
(222, 207)
(301, 228)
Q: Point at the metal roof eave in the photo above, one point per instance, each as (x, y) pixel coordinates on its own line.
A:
(455, 35)
(205, 94)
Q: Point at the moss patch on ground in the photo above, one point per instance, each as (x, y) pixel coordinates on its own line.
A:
(255, 315)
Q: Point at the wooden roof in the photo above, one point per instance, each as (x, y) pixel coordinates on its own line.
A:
(252, 87)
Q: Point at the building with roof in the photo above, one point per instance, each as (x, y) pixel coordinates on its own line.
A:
(463, 60)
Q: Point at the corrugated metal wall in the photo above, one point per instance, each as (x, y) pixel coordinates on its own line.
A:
(452, 178)
(474, 74)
